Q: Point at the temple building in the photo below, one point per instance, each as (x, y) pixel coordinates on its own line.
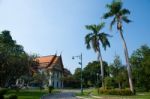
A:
(52, 65)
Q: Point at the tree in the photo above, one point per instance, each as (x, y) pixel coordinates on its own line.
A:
(115, 66)
(140, 62)
(91, 73)
(40, 79)
(118, 72)
(71, 81)
(119, 15)
(77, 73)
(94, 39)
(13, 60)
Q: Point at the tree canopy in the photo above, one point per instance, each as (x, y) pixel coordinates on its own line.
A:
(14, 61)
(140, 62)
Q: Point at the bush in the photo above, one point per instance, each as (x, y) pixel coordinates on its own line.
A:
(116, 92)
(50, 89)
(1, 97)
(13, 96)
(2, 92)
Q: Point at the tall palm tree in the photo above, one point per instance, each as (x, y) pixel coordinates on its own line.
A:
(94, 39)
(119, 16)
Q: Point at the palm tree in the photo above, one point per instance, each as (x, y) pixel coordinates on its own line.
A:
(94, 39)
(119, 16)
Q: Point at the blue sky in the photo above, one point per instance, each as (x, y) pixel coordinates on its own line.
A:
(49, 26)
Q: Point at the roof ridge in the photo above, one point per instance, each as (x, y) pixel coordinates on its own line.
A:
(50, 63)
(47, 56)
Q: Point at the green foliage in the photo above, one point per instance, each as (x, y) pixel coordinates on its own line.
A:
(109, 82)
(140, 62)
(27, 94)
(118, 13)
(2, 93)
(123, 92)
(40, 78)
(91, 73)
(13, 96)
(71, 82)
(119, 73)
(77, 73)
(50, 89)
(14, 61)
(1, 97)
(96, 38)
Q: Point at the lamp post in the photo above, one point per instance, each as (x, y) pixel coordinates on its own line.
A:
(80, 57)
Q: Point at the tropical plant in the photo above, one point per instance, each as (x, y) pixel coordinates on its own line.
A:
(94, 39)
(119, 14)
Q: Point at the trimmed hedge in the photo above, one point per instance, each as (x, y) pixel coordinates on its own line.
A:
(123, 92)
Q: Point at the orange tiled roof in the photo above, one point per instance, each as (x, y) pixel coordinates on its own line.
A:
(47, 61)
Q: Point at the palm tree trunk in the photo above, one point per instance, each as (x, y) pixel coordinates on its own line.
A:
(102, 69)
(127, 62)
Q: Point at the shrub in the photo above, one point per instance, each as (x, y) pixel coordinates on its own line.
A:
(13, 96)
(50, 89)
(116, 92)
(2, 92)
(1, 97)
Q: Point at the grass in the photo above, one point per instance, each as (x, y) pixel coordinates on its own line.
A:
(139, 95)
(28, 94)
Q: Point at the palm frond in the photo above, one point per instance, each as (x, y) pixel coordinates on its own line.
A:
(124, 11)
(112, 23)
(100, 26)
(88, 40)
(105, 34)
(108, 6)
(93, 39)
(91, 27)
(113, 8)
(104, 40)
(107, 15)
(125, 19)
(116, 6)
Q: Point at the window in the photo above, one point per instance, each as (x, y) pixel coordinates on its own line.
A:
(57, 84)
(52, 83)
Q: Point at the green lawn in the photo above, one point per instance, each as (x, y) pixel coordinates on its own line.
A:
(27, 94)
(139, 95)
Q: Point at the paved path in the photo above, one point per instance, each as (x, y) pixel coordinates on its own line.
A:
(62, 95)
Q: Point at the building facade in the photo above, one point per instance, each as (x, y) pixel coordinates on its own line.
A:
(52, 66)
